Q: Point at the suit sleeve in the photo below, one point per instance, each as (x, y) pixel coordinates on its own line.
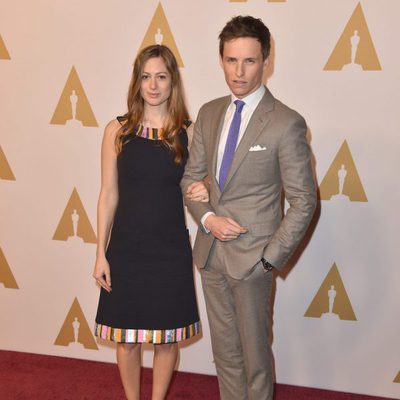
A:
(294, 157)
(196, 170)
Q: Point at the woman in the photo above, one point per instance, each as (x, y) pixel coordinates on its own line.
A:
(146, 274)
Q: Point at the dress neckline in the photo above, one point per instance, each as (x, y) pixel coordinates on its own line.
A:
(149, 133)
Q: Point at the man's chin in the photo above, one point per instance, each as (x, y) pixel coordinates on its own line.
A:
(239, 93)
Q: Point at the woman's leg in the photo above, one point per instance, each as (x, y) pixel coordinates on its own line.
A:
(128, 357)
(165, 356)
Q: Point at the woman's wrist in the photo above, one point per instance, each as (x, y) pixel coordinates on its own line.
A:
(100, 252)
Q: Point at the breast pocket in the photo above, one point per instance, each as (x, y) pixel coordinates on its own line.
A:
(260, 165)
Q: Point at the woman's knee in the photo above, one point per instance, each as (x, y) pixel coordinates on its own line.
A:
(128, 348)
(166, 348)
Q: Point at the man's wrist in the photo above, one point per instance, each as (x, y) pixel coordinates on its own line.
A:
(266, 265)
(208, 219)
(203, 221)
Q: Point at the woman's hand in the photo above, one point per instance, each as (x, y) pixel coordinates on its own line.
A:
(197, 191)
(102, 273)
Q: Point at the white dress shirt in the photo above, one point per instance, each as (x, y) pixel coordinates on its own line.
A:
(251, 103)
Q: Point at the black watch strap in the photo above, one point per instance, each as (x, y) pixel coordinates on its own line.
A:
(266, 265)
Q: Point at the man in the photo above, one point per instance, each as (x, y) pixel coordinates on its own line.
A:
(251, 146)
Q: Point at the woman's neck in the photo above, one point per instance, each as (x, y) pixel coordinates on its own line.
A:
(154, 117)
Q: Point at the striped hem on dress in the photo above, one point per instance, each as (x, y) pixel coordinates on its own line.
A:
(160, 336)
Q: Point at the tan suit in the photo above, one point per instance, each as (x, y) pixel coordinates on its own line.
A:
(272, 155)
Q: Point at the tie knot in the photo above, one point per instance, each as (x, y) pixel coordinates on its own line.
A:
(239, 105)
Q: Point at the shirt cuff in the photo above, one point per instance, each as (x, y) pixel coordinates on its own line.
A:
(203, 218)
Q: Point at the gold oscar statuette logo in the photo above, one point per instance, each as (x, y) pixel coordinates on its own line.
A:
(159, 32)
(5, 170)
(355, 50)
(3, 50)
(397, 379)
(75, 332)
(73, 108)
(74, 225)
(342, 182)
(331, 301)
(6, 276)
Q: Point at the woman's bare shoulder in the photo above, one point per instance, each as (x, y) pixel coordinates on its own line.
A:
(112, 128)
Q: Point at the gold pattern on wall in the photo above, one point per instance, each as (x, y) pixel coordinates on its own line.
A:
(269, 1)
(73, 108)
(342, 182)
(75, 331)
(74, 224)
(355, 50)
(159, 32)
(6, 276)
(3, 50)
(5, 169)
(397, 379)
(331, 300)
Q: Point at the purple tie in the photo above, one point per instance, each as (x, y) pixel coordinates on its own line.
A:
(231, 142)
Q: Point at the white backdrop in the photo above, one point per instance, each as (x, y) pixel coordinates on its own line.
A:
(50, 166)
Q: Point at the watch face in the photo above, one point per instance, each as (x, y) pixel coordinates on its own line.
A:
(267, 266)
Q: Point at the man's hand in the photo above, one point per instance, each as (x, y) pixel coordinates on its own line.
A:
(223, 228)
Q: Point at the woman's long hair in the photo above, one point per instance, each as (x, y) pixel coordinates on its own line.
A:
(177, 113)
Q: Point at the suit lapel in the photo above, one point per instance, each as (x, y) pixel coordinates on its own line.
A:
(217, 122)
(258, 121)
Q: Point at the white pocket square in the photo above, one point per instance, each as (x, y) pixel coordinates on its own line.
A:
(257, 148)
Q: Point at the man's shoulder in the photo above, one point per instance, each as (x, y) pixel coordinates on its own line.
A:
(215, 104)
(286, 112)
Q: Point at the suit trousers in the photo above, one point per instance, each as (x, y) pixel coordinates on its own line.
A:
(239, 314)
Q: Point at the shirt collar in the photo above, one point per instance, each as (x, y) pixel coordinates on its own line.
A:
(252, 99)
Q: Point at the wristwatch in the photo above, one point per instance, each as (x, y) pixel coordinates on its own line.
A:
(266, 265)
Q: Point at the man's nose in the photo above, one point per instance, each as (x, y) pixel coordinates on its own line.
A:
(239, 69)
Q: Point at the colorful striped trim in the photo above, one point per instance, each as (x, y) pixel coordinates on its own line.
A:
(149, 133)
(155, 133)
(146, 335)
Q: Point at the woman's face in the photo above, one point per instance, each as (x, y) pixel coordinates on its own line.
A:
(155, 88)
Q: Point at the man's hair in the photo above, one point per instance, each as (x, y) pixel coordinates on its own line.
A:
(246, 26)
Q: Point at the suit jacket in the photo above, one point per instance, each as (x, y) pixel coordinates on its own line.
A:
(252, 192)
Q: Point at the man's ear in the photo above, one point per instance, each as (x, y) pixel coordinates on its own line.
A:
(265, 63)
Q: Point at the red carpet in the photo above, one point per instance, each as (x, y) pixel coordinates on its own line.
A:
(31, 376)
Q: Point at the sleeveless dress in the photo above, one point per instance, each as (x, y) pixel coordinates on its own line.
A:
(150, 256)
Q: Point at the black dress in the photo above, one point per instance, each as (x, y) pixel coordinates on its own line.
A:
(153, 296)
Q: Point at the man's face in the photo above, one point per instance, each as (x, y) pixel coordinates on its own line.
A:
(243, 65)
